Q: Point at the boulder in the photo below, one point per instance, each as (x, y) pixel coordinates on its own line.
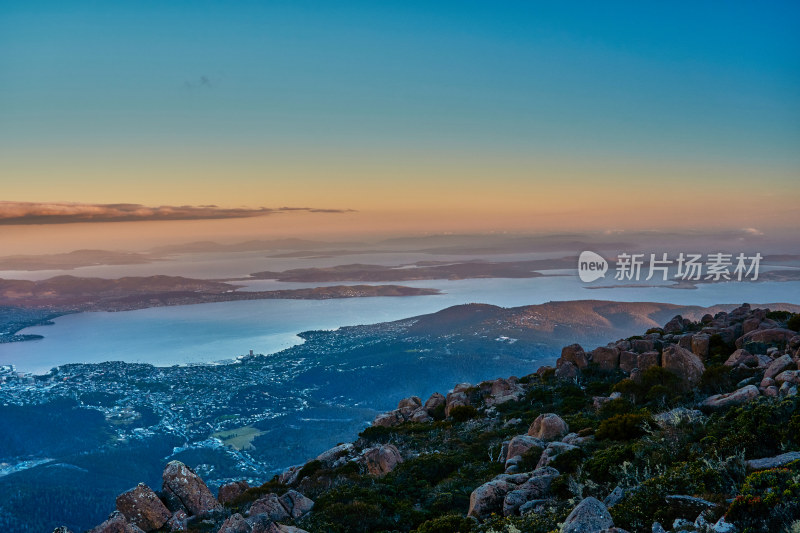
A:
(741, 357)
(778, 365)
(788, 376)
(647, 359)
(684, 505)
(420, 415)
(548, 426)
(675, 325)
(521, 444)
(643, 345)
(141, 507)
(773, 462)
(230, 491)
(183, 488)
(765, 338)
(537, 487)
(606, 357)
(334, 456)
(589, 516)
(628, 361)
(116, 523)
(435, 402)
(614, 497)
(566, 370)
(455, 399)
(262, 524)
(270, 506)
(178, 520)
(488, 498)
(574, 354)
(502, 391)
(553, 450)
(296, 504)
(236, 523)
(389, 419)
(409, 405)
(683, 364)
(700, 343)
(381, 460)
(745, 394)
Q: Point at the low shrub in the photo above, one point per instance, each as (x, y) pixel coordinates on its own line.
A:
(622, 427)
(462, 413)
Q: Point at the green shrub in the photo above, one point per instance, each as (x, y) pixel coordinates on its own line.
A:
(310, 468)
(622, 427)
(462, 413)
(719, 350)
(603, 465)
(779, 316)
(618, 406)
(769, 501)
(449, 523)
(717, 379)
(793, 323)
(568, 462)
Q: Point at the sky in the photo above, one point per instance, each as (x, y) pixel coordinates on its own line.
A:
(401, 116)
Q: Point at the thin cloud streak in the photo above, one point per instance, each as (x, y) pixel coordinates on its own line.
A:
(37, 213)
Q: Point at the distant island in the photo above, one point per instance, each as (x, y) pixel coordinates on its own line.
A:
(26, 303)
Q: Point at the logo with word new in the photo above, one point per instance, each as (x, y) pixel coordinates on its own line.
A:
(591, 266)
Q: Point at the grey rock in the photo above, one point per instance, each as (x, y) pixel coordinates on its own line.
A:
(589, 516)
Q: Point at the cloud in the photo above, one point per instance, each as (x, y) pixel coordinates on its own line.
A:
(24, 213)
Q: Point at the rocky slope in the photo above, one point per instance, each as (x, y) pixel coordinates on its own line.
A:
(693, 427)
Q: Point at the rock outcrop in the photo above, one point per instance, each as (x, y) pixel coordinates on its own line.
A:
(141, 507)
(183, 489)
(589, 516)
(548, 426)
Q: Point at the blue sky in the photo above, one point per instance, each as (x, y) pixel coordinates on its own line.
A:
(647, 91)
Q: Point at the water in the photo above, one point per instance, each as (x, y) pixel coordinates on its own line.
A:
(221, 331)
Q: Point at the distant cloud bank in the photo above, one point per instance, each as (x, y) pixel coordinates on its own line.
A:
(23, 213)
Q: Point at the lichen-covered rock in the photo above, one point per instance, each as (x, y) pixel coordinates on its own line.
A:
(230, 491)
(773, 462)
(553, 450)
(606, 357)
(435, 402)
(745, 394)
(296, 504)
(141, 507)
(116, 523)
(455, 399)
(765, 337)
(788, 376)
(574, 354)
(537, 487)
(488, 498)
(521, 444)
(236, 523)
(270, 506)
(778, 365)
(381, 460)
(741, 357)
(389, 419)
(589, 516)
(683, 364)
(184, 489)
(548, 426)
